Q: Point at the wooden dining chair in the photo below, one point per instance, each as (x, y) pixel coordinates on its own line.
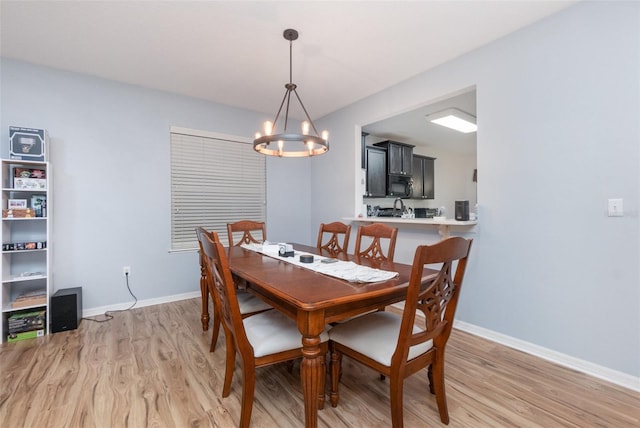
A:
(400, 345)
(373, 234)
(333, 245)
(248, 303)
(261, 340)
(253, 232)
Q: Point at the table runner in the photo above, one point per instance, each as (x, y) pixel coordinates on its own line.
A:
(342, 269)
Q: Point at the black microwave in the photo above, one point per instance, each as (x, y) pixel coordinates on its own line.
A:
(400, 187)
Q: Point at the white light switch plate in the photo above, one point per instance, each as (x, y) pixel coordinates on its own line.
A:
(615, 208)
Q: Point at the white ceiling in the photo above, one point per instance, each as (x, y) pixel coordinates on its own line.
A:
(413, 127)
(233, 52)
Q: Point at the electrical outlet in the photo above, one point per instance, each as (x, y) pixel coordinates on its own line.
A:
(126, 270)
(615, 208)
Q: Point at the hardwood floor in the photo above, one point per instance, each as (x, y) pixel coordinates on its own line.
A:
(152, 367)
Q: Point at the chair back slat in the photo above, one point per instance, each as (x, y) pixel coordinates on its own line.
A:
(250, 229)
(333, 245)
(376, 232)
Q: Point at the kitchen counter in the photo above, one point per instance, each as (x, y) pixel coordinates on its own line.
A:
(444, 226)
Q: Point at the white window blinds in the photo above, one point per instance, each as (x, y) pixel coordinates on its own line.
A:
(215, 179)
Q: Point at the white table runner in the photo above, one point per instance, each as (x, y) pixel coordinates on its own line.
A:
(342, 269)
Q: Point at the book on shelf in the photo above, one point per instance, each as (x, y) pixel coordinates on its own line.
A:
(32, 298)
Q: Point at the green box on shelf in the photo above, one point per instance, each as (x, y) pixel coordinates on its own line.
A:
(19, 322)
(16, 337)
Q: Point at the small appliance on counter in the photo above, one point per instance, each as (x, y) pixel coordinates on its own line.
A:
(426, 212)
(388, 212)
(462, 210)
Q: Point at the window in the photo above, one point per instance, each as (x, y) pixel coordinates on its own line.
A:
(215, 179)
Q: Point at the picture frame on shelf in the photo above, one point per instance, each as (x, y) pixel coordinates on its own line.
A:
(16, 203)
(28, 143)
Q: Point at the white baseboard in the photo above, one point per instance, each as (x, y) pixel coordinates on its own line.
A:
(613, 376)
(141, 303)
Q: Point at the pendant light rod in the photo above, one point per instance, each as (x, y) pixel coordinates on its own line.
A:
(291, 38)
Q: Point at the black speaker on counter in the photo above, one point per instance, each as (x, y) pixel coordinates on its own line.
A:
(66, 309)
(462, 210)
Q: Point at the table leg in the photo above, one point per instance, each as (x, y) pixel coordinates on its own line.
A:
(312, 372)
(312, 369)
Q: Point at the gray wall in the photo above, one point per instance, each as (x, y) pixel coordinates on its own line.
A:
(109, 152)
(558, 108)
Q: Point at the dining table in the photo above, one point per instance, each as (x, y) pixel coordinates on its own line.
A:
(315, 300)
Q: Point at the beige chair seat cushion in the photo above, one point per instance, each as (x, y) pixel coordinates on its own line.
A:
(376, 336)
(272, 332)
(250, 303)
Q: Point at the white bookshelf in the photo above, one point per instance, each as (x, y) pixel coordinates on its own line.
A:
(26, 265)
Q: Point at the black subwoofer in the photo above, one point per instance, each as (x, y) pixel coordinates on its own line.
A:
(66, 309)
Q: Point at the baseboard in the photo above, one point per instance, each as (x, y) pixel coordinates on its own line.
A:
(141, 303)
(595, 370)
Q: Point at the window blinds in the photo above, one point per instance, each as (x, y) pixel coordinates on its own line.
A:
(215, 180)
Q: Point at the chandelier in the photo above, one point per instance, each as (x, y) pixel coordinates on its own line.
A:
(289, 144)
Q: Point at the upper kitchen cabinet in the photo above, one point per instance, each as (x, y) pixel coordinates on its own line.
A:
(376, 164)
(399, 157)
(423, 177)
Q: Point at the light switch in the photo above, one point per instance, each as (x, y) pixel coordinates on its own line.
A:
(615, 208)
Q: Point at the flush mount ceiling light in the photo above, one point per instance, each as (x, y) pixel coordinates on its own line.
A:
(455, 119)
(287, 144)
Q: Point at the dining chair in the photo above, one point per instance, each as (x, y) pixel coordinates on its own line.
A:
(247, 227)
(248, 303)
(333, 245)
(250, 230)
(400, 345)
(373, 234)
(261, 340)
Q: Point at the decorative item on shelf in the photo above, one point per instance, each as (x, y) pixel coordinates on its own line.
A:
(289, 144)
(21, 246)
(39, 205)
(28, 143)
(16, 203)
(29, 179)
(18, 213)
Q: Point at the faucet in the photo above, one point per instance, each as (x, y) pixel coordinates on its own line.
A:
(402, 209)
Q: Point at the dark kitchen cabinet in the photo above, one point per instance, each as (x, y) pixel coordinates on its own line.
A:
(423, 177)
(376, 160)
(399, 157)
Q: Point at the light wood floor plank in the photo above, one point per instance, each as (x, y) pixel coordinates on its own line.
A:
(152, 367)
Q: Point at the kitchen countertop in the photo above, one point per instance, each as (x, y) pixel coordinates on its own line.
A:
(444, 226)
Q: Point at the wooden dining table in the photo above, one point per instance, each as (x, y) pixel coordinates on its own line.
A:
(315, 300)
